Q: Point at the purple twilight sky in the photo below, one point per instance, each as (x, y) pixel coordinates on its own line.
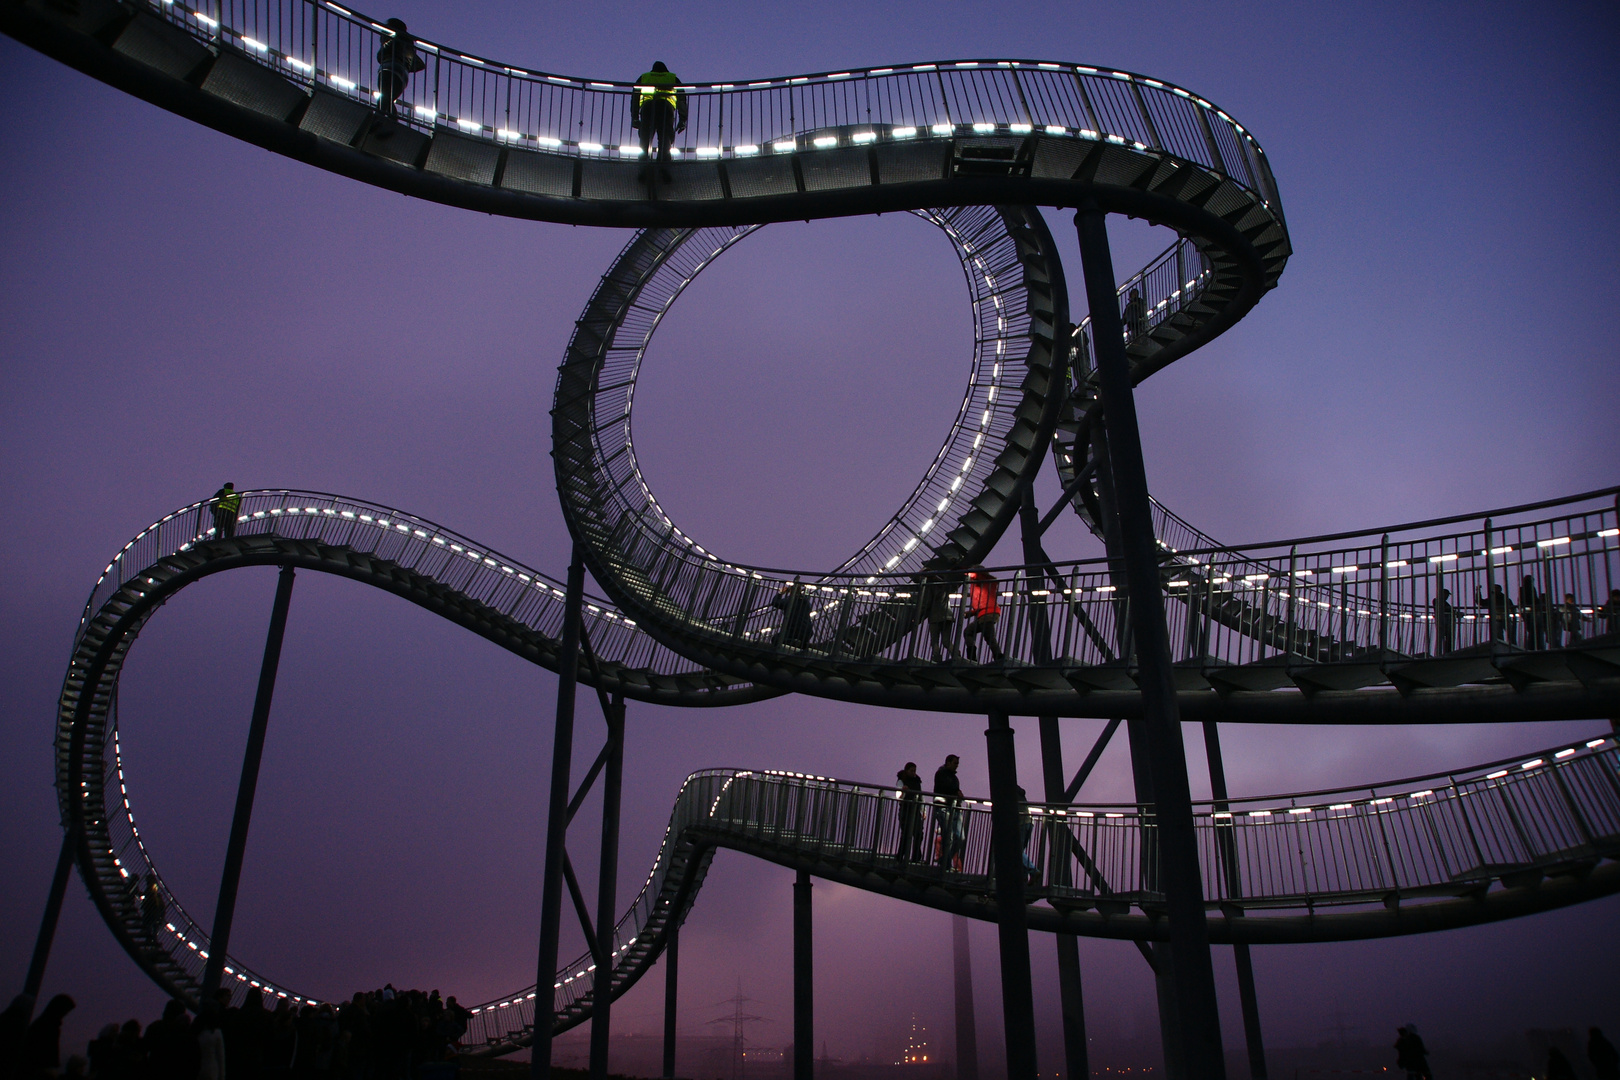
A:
(178, 309)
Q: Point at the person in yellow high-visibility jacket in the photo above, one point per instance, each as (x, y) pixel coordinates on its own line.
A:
(227, 503)
(653, 112)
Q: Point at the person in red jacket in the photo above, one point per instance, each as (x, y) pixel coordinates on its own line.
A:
(983, 613)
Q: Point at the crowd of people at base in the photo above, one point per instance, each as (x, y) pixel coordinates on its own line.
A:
(383, 1034)
(1412, 1057)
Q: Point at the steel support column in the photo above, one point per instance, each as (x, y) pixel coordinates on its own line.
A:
(1071, 997)
(804, 984)
(607, 881)
(1197, 1028)
(671, 980)
(562, 753)
(219, 940)
(1240, 950)
(1007, 848)
(967, 1024)
(53, 911)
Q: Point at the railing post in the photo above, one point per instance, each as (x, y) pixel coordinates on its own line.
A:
(1197, 1028)
(53, 911)
(671, 981)
(1383, 598)
(562, 753)
(607, 889)
(1007, 849)
(804, 1026)
(219, 939)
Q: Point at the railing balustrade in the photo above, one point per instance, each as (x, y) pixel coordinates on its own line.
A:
(320, 45)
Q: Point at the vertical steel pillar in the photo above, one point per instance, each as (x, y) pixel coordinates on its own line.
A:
(1072, 1004)
(967, 1025)
(1240, 950)
(53, 911)
(671, 980)
(1012, 920)
(1197, 1029)
(607, 881)
(562, 754)
(219, 940)
(804, 1016)
(1071, 997)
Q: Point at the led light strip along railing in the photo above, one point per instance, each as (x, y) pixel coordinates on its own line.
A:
(325, 45)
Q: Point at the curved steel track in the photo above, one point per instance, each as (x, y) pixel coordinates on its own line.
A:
(1317, 633)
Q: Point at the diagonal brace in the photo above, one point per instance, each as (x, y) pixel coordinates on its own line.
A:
(584, 915)
(1091, 761)
(590, 778)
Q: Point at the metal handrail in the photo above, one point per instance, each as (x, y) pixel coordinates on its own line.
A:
(478, 571)
(1560, 808)
(320, 45)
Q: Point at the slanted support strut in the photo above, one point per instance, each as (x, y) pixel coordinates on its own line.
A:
(1012, 920)
(607, 888)
(1196, 1032)
(219, 940)
(47, 923)
(804, 984)
(551, 888)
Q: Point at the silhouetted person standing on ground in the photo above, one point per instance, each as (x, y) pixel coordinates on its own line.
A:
(42, 1045)
(1603, 1056)
(1411, 1054)
(227, 503)
(790, 600)
(656, 104)
(171, 1046)
(948, 813)
(910, 813)
(1445, 620)
(210, 1045)
(397, 61)
(1558, 1066)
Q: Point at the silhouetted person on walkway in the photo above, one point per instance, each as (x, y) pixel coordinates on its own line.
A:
(910, 813)
(1445, 621)
(654, 109)
(42, 1045)
(795, 608)
(1496, 610)
(226, 504)
(1558, 1066)
(1135, 318)
(1566, 622)
(948, 814)
(1533, 613)
(1610, 613)
(1604, 1057)
(154, 912)
(984, 611)
(934, 607)
(397, 61)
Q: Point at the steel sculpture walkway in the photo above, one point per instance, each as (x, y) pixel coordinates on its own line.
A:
(1344, 629)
